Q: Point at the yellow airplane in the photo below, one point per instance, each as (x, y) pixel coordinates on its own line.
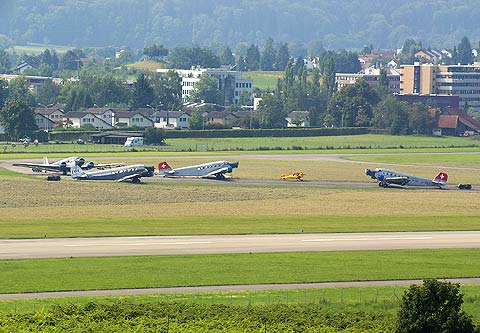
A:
(293, 176)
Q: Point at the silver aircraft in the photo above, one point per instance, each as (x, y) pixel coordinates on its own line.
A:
(65, 165)
(386, 177)
(120, 174)
(216, 169)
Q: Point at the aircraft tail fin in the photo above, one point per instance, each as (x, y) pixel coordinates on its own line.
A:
(441, 178)
(45, 160)
(163, 168)
(76, 172)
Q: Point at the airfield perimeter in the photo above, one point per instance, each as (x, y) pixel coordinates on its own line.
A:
(330, 171)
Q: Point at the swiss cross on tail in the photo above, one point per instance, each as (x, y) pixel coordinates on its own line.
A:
(163, 168)
(441, 178)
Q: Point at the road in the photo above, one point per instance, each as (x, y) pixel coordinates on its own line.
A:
(217, 244)
(224, 289)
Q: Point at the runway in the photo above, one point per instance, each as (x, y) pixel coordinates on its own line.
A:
(222, 244)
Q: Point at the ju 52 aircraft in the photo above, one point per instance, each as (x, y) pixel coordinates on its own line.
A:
(65, 165)
(216, 169)
(386, 177)
(120, 174)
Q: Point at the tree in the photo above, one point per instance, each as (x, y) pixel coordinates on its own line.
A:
(206, 90)
(282, 56)
(252, 59)
(420, 121)
(3, 92)
(195, 122)
(329, 77)
(154, 135)
(167, 90)
(70, 61)
(435, 307)
(19, 89)
(267, 56)
(464, 50)
(392, 114)
(270, 112)
(226, 57)
(48, 92)
(143, 93)
(155, 51)
(5, 63)
(18, 119)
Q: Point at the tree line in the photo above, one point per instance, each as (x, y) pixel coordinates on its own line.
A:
(334, 24)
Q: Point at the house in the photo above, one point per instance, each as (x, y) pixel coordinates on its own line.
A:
(53, 113)
(298, 119)
(79, 119)
(106, 114)
(220, 117)
(457, 122)
(28, 63)
(43, 122)
(429, 56)
(131, 119)
(170, 119)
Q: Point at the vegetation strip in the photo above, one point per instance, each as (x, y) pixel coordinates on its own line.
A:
(256, 268)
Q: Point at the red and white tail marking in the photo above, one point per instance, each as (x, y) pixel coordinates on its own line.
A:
(442, 177)
(163, 166)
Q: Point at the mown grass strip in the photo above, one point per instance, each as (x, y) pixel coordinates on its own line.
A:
(80, 226)
(256, 268)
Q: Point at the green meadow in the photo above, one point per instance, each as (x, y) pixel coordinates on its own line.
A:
(29, 275)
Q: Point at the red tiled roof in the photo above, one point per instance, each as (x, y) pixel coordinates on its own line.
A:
(447, 121)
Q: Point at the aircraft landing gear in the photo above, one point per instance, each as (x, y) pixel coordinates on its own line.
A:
(136, 180)
(383, 184)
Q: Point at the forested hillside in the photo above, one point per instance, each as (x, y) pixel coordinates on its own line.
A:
(330, 23)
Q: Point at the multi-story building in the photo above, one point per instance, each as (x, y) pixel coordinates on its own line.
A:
(371, 76)
(231, 83)
(450, 80)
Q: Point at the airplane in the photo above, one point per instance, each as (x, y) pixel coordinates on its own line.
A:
(120, 174)
(386, 177)
(216, 169)
(65, 165)
(293, 176)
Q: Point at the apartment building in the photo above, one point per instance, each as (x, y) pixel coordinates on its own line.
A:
(371, 76)
(449, 80)
(231, 83)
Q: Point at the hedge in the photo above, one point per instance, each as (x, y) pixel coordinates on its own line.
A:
(284, 132)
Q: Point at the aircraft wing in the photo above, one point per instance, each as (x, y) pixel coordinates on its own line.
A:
(396, 180)
(218, 171)
(108, 165)
(129, 177)
(37, 166)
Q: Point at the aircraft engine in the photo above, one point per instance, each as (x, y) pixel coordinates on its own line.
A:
(80, 161)
(90, 165)
(229, 168)
(381, 177)
(63, 167)
(370, 173)
(150, 171)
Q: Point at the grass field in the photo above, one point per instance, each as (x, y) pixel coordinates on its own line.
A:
(264, 80)
(421, 158)
(147, 65)
(256, 268)
(39, 48)
(34, 208)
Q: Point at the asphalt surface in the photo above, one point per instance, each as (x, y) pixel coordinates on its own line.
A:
(225, 288)
(217, 244)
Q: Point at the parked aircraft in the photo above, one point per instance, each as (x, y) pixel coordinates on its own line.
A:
(120, 174)
(65, 165)
(298, 176)
(386, 177)
(216, 169)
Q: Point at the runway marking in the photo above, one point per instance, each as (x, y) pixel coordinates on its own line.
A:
(364, 239)
(135, 244)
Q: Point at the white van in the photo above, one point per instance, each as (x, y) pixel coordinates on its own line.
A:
(134, 141)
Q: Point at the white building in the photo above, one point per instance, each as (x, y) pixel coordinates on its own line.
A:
(78, 119)
(230, 82)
